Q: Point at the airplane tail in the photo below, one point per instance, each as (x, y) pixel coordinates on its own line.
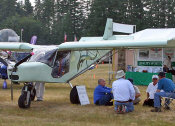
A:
(108, 29)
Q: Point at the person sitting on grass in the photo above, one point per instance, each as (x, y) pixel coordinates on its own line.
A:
(102, 94)
(168, 87)
(151, 90)
(124, 93)
(137, 93)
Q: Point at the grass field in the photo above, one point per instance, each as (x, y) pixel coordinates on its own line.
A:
(56, 109)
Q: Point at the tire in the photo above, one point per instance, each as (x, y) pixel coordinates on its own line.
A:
(22, 101)
(33, 94)
(22, 90)
(74, 99)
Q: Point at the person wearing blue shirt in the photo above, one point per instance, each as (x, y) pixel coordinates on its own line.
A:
(102, 94)
(3, 72)
(168, 88)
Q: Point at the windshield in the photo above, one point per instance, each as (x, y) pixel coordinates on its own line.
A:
(44, 55)
(17, 56)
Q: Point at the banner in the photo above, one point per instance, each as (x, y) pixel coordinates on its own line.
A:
(149, 63)
(33, 40)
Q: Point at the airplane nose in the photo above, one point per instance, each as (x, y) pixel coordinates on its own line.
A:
(31, 72)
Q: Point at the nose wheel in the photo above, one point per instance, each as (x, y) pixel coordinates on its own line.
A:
(27, 95)
(24, 101)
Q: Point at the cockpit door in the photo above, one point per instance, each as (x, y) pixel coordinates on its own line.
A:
(61, 64)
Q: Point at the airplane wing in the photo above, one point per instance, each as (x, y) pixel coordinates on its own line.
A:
(111, 44)
(148, 38)
(93, 45)
(23, 47)
(15, 46)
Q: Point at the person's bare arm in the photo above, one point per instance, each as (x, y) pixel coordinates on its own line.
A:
(137, 95)
(147, 96)
(158, 90)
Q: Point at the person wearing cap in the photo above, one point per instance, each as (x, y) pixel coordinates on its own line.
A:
(124, 93)
(168, 88)
(137, 92)
(102, 94)
(151, 90)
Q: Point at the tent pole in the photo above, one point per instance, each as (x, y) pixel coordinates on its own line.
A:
(162, 59)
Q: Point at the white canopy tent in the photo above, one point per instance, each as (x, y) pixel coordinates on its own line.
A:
(153, 34)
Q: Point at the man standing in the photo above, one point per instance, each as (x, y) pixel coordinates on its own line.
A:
(167, 64)
(102, 94)
(40, 87)
(124, 93)
(151, 90)
(168, 87)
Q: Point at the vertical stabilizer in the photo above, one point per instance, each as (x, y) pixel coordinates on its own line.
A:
(108, 29)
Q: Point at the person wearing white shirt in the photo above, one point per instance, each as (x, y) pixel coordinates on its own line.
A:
(151, 90)
(124, 93)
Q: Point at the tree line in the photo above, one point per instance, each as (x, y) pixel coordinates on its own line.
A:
(50, 20)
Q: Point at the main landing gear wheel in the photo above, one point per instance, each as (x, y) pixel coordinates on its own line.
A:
(74, 99)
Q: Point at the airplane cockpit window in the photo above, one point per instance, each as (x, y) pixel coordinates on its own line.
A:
(61, 64)
(17, 56)
(45, 55)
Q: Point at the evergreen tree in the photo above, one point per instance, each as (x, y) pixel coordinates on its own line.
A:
(19, 9)
(97, 18)
(28, 8)
(7, 8)
(135, 14)
(38, 10)
(103, 9)
(28, 24)
(159, 13)
(170, 14)
(69, 19)
(48, 13)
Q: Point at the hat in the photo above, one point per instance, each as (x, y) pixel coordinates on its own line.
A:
(131, 80)
(155, 76)
(120, 74)
(162, 74)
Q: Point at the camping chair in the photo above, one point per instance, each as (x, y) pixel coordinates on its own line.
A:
(168, 101)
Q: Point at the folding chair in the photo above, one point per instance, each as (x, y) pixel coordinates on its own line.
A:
(168, 101)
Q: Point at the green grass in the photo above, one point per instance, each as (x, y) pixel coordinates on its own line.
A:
(56, 109)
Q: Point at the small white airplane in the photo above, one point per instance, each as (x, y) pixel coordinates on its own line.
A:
(64, 62)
